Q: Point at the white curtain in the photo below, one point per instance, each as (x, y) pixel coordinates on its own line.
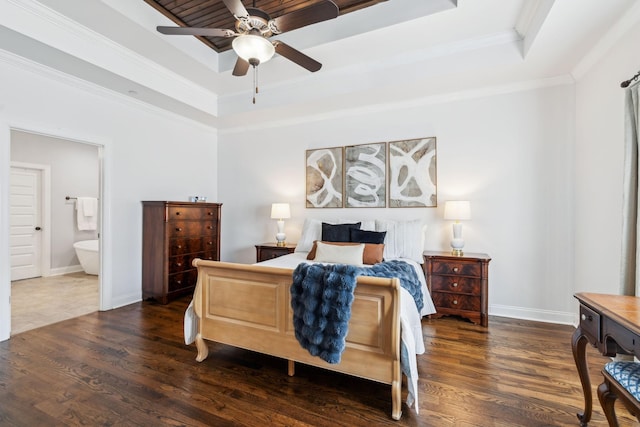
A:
(630, 239)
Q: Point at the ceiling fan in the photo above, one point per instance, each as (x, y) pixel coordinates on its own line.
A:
(253, 29)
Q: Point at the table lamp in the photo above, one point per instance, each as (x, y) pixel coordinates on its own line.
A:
(280, 211)
(457, 210)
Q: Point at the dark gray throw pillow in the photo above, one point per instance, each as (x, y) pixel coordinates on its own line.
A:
(365, 236)
(337, 232)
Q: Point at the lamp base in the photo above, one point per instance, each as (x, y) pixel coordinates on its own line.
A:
(457, 252)
(281, 244)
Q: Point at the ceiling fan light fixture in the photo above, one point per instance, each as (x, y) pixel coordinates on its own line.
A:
(252, 47)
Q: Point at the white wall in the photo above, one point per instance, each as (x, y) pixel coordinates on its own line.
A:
(510, 155)
(599, 161)
(148, 155)
(75, 171)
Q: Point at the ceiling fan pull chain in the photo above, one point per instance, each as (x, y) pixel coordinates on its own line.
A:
(255, 83)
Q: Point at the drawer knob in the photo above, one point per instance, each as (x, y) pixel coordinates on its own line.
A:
(179, 282)
(209, 243)
(455, 269)
(455, 285)
(455, 302)
(179, 246)
(178, 213)
(178, 229)
(179, 264)
(210, 213)
(209, 227)
(585, 317)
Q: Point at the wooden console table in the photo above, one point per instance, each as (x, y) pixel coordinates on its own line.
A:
(611, 323)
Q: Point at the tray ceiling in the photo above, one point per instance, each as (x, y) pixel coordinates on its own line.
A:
(214, 14)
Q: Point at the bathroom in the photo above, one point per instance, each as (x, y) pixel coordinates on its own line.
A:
(50, 276)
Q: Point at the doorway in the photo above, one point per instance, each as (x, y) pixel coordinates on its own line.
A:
(47, 175)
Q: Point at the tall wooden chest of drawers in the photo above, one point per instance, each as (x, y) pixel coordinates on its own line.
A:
(173, 234)
(459, 284)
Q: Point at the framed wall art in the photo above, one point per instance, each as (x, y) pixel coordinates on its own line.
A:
(412, 173)
(365, 168)
(324, 177)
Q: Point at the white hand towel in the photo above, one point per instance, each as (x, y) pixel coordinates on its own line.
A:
(87, 213)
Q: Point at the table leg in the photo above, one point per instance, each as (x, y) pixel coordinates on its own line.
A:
(579, 345)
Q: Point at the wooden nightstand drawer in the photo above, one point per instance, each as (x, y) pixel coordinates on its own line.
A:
(267, 251)
(461, 285)
(456, 301)
(457, 267)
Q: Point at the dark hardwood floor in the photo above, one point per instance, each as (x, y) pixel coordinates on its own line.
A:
(130, 367)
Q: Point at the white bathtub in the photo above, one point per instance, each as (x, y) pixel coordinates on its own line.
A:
(88, 252)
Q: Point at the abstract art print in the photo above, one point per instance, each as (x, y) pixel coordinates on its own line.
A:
(324, 177)
(365, 176)
(412, 173)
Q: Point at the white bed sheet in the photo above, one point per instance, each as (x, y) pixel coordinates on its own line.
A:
(411, 326)
(292, 261)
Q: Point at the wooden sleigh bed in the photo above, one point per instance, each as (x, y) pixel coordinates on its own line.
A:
(248, 306)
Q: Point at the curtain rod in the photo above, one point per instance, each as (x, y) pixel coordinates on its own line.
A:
(631, 80)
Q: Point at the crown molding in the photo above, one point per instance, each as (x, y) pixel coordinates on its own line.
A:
(46, 25)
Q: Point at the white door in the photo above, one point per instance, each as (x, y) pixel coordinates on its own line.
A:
(25, 217)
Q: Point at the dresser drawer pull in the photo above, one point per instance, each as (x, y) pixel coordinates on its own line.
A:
(210, 213)
(209, 243)
(455, 285)
(209, 227)
(585, 317)
(179, 246)
(179, 264)
(455, 269)
(455, 302)
(179, 282)
(178, 229)
(178, 213)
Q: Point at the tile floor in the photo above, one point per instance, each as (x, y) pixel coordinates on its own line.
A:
(46, 300)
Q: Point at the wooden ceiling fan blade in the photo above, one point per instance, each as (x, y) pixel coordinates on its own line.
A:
(296, 56)
(301, 18)
(236, 8)
(191, 31)
(241, 67)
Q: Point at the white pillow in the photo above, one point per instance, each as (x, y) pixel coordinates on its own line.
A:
(311, 231)
(339, 254)
(404, 239)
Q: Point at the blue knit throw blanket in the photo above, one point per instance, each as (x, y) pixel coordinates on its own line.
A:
(321, 297)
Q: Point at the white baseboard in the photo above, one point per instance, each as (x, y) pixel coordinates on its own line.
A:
(64, 270)
(549, 316)
(126, 300)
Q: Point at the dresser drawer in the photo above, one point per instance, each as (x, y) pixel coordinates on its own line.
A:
(590, 322)
(457, 267)
(185, 262)
(192, 228)
(191, 212)
(456, 284)
(183, 279)
(456, 301)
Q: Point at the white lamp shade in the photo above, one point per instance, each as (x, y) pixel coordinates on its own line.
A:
(250, 46)
(280, 211)
(457, 210)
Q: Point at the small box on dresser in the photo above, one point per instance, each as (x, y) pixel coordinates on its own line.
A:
(267, 251)
(173, 235)
(459, 284)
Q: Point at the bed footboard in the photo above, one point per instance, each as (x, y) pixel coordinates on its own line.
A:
(249, 306)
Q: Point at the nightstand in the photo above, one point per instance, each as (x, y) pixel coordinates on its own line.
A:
(459, 284)
(266, 251)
